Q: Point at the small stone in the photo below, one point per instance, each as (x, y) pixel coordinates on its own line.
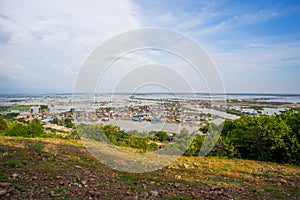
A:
(83, 182)
(91, 179)
(145, 194)
(177, 184)
(282, 180)
(3, 191)
(185, 166)
(52, 193)
(91, 192)
(14, 175)
(77, 167)
(135, 197)
(177, 177)
(59, 177)
(34, 177)
(279, 184)
(5, 154)
(154, 193)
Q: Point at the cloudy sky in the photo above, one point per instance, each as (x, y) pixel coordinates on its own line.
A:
(254, 44)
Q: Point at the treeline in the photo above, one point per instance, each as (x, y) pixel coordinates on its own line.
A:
(267, 138)
(29, 129)
(141, 141)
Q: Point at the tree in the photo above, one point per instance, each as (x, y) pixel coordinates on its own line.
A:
(68, 123)
(162, 136)
(44, 109)
(55, 120)
(35, 129)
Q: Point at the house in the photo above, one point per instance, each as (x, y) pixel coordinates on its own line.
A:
(24, 115)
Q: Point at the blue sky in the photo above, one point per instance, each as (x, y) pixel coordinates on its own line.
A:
(254, 44)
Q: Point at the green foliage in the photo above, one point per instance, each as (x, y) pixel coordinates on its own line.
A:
(3, 125)
(44, 109)
(194, 147)
(55, 120)
(162, 136)
(68, 123)
(10, 115)
(267, 138)
(113, 134)
(33, 129)
(235, 112)
(223, 148)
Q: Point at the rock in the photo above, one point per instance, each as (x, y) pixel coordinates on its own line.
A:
(5, 188)
(282, 180)
(91, 192)
(177, 177)
(279, 184)
(177, 184)
(154, 193)
(83, 182)
(185, 165)
(145, 194)
(14, 175)
(91, 179)
(52, 193)
(135, 198)
(5, 154)
(34, 177)
(59, 177)
(3, 191)
(77, 167)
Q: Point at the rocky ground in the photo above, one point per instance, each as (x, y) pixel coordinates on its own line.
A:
(63, 169)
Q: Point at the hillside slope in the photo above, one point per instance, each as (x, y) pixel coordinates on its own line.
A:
(63, 169)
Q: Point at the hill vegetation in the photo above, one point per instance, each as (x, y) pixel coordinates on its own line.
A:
(265, 138)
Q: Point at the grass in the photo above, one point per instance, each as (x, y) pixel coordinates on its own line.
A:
(129, 178)
(253, 189)
(3, 176)
(20, 108)
(279, 195)
(37, 147)
(268, 189)
(13, 163)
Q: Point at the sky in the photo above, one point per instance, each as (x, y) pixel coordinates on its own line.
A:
(255, 45)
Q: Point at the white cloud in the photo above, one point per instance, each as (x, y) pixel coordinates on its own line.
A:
(54, 37)
(261, 56)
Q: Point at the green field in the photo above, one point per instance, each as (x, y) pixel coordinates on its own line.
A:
(11, 108)
(20, 108)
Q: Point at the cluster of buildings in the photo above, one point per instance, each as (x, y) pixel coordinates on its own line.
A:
(49, 121)
(176, 112)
